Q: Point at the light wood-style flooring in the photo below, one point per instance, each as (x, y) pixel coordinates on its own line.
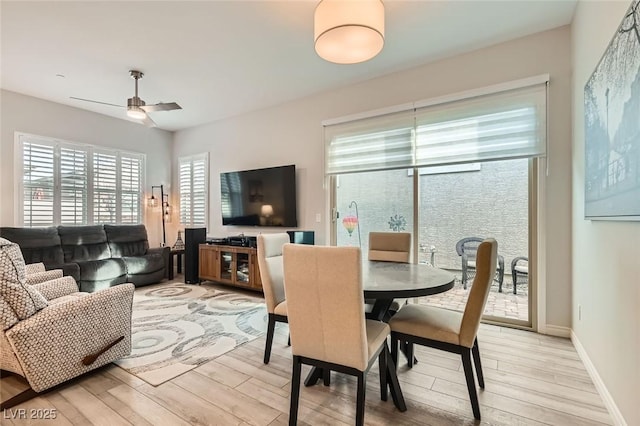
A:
(531, 379)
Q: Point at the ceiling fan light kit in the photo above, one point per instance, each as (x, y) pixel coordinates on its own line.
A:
(136, 107)
(347, 31)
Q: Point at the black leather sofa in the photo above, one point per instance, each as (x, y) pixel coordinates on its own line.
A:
(97, 256)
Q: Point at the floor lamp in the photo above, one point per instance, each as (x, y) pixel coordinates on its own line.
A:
(166, 209)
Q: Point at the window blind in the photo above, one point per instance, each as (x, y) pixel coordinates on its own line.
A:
(38, 186)
(194, 189)
(510, 123)
(72, 184)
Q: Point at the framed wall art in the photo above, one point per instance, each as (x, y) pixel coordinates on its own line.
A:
(612, 126)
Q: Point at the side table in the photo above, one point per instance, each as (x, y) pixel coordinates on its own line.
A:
(180, 255)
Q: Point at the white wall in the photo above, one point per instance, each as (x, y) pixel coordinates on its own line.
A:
(606, 270)
(26, 114)
(292, 133)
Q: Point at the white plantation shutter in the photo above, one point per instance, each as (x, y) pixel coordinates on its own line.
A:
(131, 188)
(502, 122)
(72, 184)
(194, 189)
(38, 184)
(104, 188)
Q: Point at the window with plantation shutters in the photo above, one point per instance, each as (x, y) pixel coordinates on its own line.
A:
(73, 184)
(194, 189)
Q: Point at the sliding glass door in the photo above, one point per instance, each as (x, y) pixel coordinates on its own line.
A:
(453, 203)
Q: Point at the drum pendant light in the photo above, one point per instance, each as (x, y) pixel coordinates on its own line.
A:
(349, 31)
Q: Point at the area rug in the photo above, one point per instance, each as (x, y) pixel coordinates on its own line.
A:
(177, 327)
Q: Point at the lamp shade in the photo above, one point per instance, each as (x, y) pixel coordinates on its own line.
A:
(152, 201)
(349, 31)
(266, 210)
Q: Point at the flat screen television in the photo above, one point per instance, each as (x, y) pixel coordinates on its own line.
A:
(260, 197)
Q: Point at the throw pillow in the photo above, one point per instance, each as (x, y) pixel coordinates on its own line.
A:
(18, 301)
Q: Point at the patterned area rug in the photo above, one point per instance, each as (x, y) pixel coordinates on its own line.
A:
(177, 327)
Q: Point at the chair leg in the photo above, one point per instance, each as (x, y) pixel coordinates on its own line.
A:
(326, 376)
(23, 396)
(382, 369)
(475, 350)
(295, 391)
(270, 329)
(464, 277)
(394, 385)
(410, 358)
(515, 282)
(362, 384)
(394, 349)
(471, 384)
(289, 340)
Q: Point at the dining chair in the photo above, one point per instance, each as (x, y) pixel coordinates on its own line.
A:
(327, 323)
(390, 247)
(452, 331)
(270, 264)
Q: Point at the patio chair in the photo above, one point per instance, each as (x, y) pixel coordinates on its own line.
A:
(466, 249)
(519, 266)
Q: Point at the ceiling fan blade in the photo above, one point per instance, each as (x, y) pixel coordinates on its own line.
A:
(169, 106)
(96, 102)
(147, 121)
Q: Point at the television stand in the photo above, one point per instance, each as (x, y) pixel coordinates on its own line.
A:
(231, 265)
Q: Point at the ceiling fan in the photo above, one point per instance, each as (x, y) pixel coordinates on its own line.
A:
(136, 107)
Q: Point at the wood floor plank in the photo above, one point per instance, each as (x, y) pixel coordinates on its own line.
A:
(67, 409)
(222, 374)
(149, 410)
(519, 407)
(91, 407)
(228, 399)
(187, 405)
(124, 376)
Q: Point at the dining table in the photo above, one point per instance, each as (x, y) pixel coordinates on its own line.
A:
(385, 281)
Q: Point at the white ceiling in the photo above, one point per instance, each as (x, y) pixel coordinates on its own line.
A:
(222, 58)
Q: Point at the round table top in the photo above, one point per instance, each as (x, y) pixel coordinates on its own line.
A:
(403, 280)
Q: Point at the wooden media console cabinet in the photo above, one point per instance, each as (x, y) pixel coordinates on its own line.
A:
(232, 265)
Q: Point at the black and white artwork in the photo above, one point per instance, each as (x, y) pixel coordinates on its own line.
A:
(612, 126)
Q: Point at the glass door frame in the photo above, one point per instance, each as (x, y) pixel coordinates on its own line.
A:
(535, 213)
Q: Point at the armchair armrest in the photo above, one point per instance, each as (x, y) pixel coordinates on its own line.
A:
(52, 344)
(57, 288)
(40, 277)
(32, 268)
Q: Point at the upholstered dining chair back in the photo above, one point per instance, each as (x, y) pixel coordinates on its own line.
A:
(486, 261)
(390, 246)
(270, 263)
(324, 301)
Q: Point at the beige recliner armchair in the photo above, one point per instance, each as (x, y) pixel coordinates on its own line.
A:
(52, 333)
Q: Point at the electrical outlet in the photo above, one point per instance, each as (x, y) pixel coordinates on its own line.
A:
(579, 312)
(318, 217)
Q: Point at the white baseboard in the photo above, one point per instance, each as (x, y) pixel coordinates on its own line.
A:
(615, 413)
(555, 330)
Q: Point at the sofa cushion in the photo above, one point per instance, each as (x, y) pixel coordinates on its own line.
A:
(84, 243)
(36, 244)
(18, 301)
(127, 240)
(144, 264)
(98, 274)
